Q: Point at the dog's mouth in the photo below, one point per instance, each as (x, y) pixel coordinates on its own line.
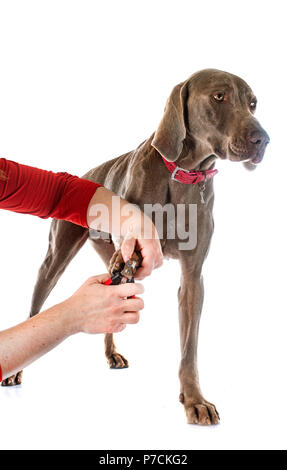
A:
(249, 151)
(238, 152)
(241, 154)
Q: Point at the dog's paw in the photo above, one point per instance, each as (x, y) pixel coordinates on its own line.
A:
(13, 380)
(117, 361)
(200, 411)
(117, 262)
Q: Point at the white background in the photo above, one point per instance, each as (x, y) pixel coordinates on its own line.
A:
(82, 82)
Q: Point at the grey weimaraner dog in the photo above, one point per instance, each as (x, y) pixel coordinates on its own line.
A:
(208, 116)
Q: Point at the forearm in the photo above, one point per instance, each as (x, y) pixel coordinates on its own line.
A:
(30, 190)
(94, 308)
(26, 342)
(110, 213)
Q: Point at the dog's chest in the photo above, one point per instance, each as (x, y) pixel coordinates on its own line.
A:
(187, 219)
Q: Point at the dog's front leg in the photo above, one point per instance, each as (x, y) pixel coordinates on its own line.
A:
(190, 296)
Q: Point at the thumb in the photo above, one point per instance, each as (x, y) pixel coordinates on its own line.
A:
(127, 248)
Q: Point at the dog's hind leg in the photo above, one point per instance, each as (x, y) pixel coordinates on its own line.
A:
(65, 240)
(115, 360)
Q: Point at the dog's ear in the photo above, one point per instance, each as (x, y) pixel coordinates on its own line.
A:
(171, 132)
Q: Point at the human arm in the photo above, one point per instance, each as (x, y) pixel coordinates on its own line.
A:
(43, 193)
(94, 308)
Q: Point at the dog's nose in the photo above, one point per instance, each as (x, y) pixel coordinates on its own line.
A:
(258, 138)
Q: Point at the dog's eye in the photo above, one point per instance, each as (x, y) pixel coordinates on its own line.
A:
(219, 97)
(253, 105)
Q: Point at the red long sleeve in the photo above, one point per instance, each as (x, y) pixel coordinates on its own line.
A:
(29, 190)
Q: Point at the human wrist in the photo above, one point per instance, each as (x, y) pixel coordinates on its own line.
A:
(71, 316)
(139, 226)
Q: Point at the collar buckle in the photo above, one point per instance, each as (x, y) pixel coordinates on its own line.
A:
(178, 168)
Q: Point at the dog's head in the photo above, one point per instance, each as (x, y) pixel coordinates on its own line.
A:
(213, 110)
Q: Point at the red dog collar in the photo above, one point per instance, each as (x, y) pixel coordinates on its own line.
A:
(188, 176)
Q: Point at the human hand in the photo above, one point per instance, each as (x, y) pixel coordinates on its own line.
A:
(149, 247)
(105, 309)
(128, 223)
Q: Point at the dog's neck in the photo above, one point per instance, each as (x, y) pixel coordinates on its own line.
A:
(195, 155)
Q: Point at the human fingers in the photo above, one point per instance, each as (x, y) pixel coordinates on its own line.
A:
(127, 290)
(127, 248)
(131, 305)
(99, 279)
(130, 318)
